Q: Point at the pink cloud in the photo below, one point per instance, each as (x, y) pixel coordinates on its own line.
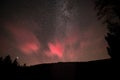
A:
(29, 47)
(25, 39)
(56, 49)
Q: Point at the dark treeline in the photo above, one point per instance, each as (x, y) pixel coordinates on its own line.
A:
(108, 11)
(7, 61)
(57, 71)
(8, 67)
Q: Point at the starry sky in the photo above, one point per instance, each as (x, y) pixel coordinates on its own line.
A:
(48, 31)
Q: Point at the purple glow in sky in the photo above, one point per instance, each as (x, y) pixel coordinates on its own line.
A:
(48, 31)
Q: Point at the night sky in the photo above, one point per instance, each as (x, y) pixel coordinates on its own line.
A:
(48, 31)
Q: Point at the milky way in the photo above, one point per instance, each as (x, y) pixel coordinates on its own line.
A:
(48, 31)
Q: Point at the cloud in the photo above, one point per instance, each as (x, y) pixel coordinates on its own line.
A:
(26, 40)
(56, 48)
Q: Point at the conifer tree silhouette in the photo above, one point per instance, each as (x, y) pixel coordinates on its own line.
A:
(109, 12)
(7, 60)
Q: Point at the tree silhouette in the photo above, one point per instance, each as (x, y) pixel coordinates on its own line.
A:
(109, 12)
(7, 60)
(15, 63)
(1, 60)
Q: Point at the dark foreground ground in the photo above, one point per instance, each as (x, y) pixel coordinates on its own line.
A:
(97, 70)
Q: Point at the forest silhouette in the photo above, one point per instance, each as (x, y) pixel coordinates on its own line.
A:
(57, 71)
(108, 11)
